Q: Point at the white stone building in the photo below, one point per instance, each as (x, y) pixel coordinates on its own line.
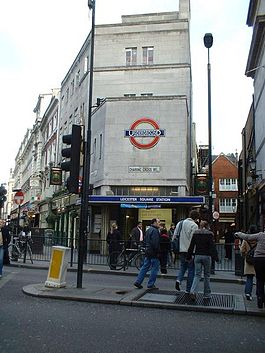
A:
(142, 74)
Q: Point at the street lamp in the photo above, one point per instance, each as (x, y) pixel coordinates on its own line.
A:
(208, 42)
(84, 213)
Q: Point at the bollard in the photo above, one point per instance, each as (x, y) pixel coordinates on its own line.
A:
(58, 267)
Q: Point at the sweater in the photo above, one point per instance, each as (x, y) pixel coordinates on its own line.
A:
(203, 243)
(259, 237)
(188, 228)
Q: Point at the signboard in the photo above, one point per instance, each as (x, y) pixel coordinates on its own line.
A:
(19, 197)
(56, 176)
(144, 169)
(152, 136)
(198, 200)
(201, 185)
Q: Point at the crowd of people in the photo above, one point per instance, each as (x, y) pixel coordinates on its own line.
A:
(196, 253)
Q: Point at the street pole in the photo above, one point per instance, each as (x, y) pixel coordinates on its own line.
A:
(208, 42)
(84, 213)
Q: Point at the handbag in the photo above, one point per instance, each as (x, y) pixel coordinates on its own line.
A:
(176, 238)
(250, 254)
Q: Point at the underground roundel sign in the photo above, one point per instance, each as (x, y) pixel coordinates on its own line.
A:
(144, 133)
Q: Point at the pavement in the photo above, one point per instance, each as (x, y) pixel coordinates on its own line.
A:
(230, 303)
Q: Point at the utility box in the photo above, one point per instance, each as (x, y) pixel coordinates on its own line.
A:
(58, 267)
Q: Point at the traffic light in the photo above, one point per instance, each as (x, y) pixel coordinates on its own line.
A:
(73, 154)
(2, 196)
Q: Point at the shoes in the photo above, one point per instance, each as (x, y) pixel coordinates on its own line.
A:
(177, 285)
(152, 287)
(208, 296)
(0, 276)
(138, 285)
(187, 292)
(260, 302)
(193, 296)
(248, 297)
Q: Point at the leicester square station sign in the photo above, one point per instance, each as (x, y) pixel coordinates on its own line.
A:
(136, 134)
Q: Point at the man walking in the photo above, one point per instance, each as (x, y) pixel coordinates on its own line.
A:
(137, 235)
(189, 226)
(152, 240)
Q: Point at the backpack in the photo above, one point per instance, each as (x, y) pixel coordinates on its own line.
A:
(250, 255)
(176, 238)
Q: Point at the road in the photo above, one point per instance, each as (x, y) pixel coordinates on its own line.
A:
(34, 325)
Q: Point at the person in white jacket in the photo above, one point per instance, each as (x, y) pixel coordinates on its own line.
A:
(189, 226)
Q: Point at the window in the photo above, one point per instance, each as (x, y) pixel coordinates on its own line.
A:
(86, 65)
(131, 56)
(129, 95)
(228, 185)
(148, 55)
(72, 86)
(95, 150)
(77, 78)
(100, 146)
(227, 205)
(146, 94)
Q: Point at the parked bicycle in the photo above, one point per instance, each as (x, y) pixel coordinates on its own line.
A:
(119, 260)
(20, 247)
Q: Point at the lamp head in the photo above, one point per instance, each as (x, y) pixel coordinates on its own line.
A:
(208, 40)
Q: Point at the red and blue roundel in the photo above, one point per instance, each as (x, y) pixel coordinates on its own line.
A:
(152, 135)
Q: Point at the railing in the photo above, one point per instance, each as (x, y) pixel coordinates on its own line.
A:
(97, 252)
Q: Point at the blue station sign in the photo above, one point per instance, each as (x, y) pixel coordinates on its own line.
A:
(194, 200)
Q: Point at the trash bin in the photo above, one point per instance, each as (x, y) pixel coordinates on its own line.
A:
(58, 267)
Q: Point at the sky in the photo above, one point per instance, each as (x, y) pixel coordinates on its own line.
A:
(40, 39)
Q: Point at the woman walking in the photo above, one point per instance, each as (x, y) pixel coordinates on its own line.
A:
(205, 251)
(259, 262)
(249, 270)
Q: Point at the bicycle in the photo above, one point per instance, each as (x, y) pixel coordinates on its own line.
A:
(19, 248)
(118, 260)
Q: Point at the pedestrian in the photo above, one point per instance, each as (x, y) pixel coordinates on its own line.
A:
(1, 249)
(151, 260)
(205, 251)
(229, 241)
(249, 270)
(164, 249)
(6, 240)
(189, 226)
(259, 263)
(170, 233)
(114, 240)
(137, 235)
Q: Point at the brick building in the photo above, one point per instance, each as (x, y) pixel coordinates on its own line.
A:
(225, 185)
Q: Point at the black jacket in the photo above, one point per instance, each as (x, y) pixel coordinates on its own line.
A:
(152, 242)
(203, 240)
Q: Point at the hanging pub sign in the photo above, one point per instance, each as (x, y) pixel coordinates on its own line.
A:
(201, 185)
(56, 176)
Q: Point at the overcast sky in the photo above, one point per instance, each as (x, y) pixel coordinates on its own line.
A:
(40, 39)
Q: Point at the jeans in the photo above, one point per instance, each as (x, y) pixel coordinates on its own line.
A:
(259, 265)
(184, 266)
(249, 284)
(154, 263)
(202, 261)
(1, 259)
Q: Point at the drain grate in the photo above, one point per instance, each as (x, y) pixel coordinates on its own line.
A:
(224, 301)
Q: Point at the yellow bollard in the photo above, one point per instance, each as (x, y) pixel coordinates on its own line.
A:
(58, 267)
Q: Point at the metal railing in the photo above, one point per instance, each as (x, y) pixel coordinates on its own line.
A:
(97, 252)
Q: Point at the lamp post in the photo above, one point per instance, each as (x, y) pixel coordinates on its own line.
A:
(84, 213)
(208, 42)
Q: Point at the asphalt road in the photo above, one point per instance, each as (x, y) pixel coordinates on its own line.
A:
(34, 325)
